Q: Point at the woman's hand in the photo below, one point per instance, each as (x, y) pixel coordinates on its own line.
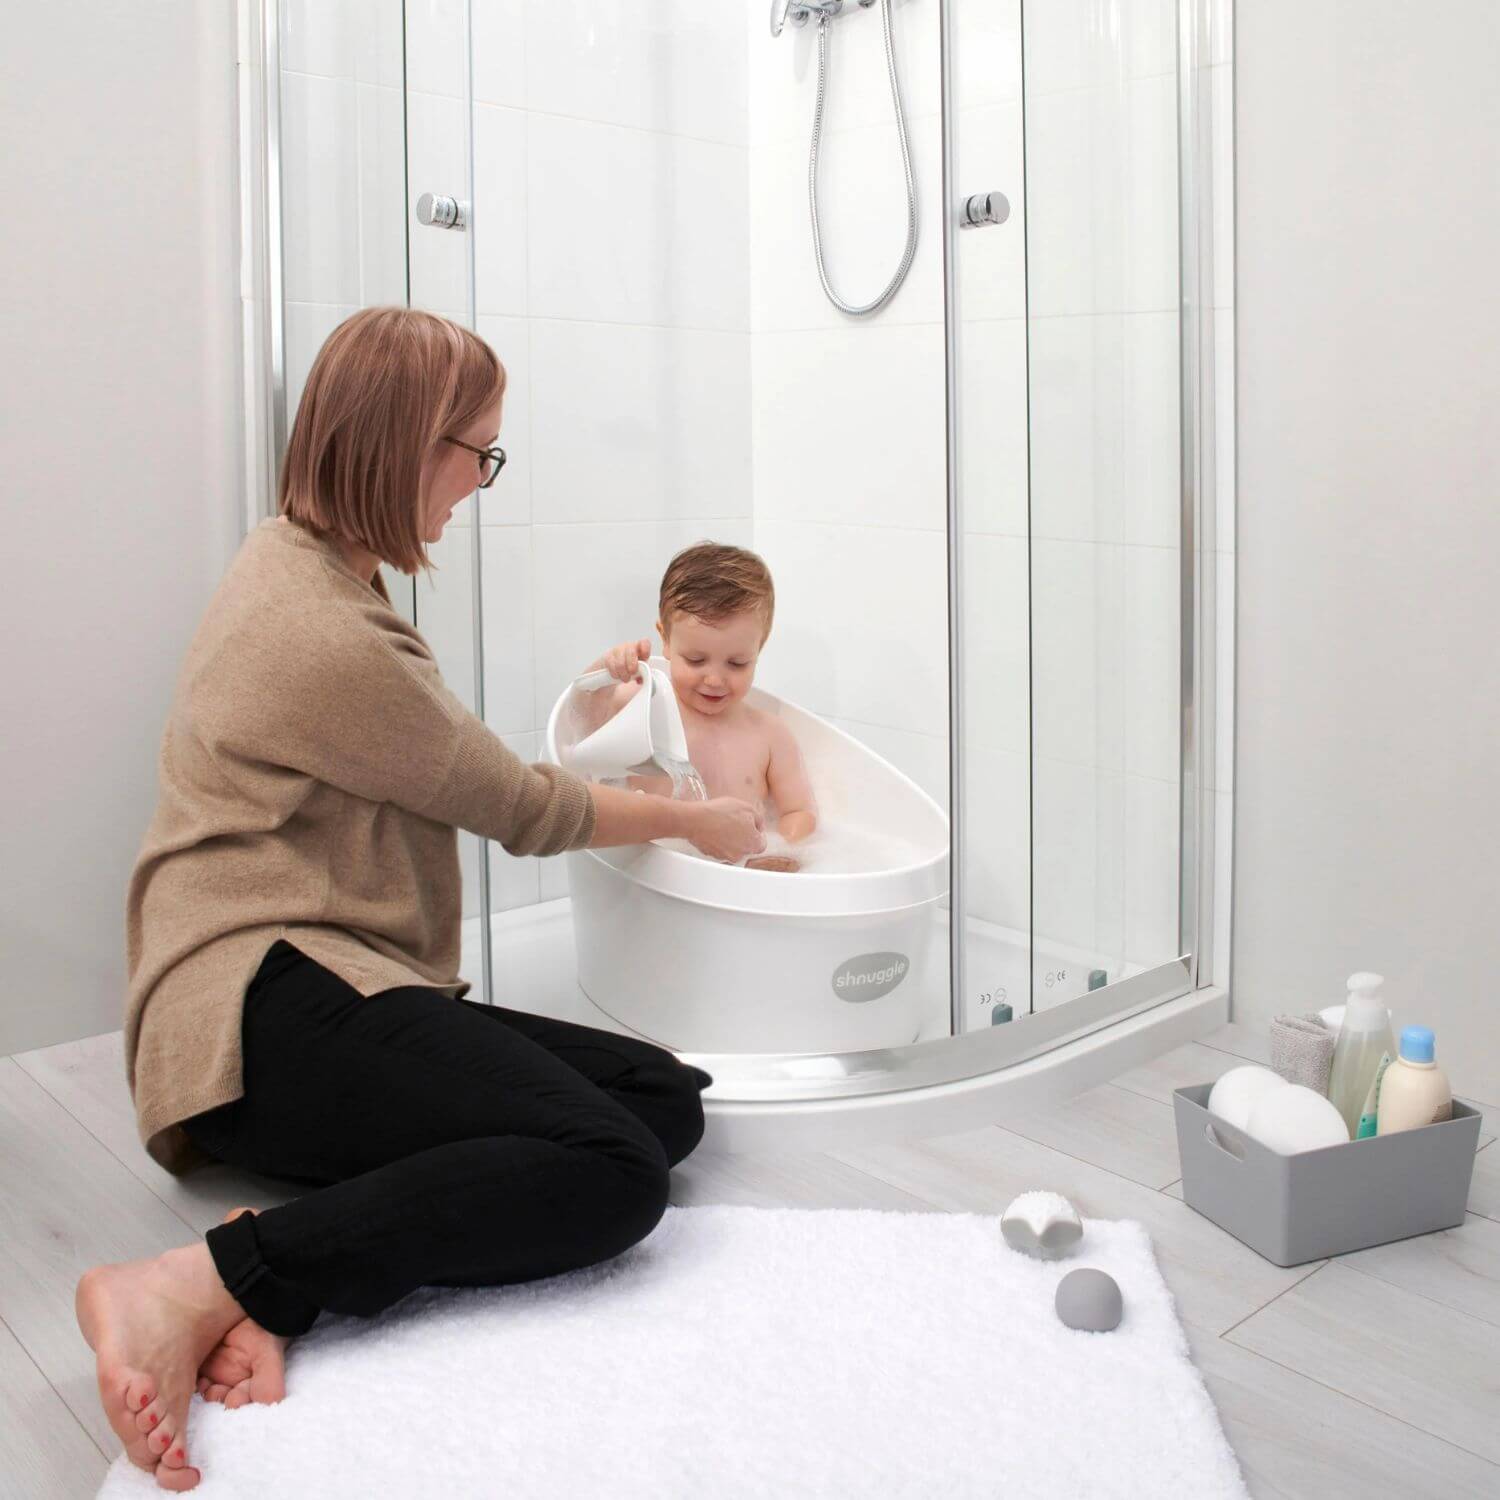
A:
(624, 660)
(724, 828)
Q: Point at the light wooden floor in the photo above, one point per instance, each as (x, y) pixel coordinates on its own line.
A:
(1374, 1374)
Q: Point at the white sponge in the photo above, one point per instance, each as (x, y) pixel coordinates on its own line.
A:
(1045, 1225)
(1296, 1119)
(1239, 1090)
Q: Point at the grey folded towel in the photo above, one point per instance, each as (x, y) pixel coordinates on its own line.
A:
(1302, 1050)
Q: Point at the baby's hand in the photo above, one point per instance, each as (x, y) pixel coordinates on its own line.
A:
(624, 661)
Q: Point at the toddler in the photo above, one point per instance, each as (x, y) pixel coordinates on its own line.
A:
(714, 616)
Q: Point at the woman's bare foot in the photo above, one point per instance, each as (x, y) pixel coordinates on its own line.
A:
(248, 1364)
(150, 1323)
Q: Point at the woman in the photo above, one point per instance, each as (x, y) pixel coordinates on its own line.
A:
(293, 932)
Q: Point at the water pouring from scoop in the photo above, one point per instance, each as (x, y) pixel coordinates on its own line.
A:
(645, 736)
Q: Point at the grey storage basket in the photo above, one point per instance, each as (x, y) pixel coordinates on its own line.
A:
(1292, 1209)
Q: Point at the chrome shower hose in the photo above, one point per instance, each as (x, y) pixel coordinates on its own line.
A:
(859, 309)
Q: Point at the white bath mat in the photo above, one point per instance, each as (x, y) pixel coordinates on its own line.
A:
(744, 1353)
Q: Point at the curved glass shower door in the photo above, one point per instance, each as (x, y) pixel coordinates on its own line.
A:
(1070, 498)
(973, 501)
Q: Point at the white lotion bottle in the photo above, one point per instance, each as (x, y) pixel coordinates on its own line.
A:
(1364, 1038)
(1414, 1091)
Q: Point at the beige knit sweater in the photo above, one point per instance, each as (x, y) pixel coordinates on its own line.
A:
(312, 773)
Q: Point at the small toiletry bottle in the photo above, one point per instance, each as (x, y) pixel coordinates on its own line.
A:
(1414, 1090)
(1363, 1038)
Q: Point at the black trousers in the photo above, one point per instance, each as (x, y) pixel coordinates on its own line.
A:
(453, 1144)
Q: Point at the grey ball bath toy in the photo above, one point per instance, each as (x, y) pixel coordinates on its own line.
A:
(1089, 1299)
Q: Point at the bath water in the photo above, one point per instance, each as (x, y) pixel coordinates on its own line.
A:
(833, 849)
(687, 784)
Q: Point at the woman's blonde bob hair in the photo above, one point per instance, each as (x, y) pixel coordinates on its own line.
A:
(386, 388)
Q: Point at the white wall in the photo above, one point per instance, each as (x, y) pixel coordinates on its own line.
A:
(849, 425)
(1369, 364)
(612, 277)
(119, 417)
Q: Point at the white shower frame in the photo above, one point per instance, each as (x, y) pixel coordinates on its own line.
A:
(825, 1100)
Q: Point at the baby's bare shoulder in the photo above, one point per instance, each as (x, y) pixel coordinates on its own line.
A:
(771, 729)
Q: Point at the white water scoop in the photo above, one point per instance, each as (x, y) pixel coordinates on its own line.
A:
(645, 735)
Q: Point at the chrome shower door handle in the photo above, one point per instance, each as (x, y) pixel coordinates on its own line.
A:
(441, 212)
(980, 209)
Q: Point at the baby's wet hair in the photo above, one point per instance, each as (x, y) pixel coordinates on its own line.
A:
(712, 581)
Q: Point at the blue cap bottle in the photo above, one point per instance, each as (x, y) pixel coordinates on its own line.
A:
(1414, 1090)
(1417, 1044)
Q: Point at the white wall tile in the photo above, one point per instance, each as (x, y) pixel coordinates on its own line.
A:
(991, 259)
(508, 502)
(509, 684)
(437, 58)
(382, 187)
(861, 622)
(320, 188)
(863, 217)
(675, 250)
(1150, 627)
(1077, 652)
(307, 325)
(849, 425)
(500, 213)
(1077, 428)
(996, 646)
(1111, 864)
(1151, 210)
(359, 39)
(1101, 174)
(670, 65)
(1078, 44)
(986, 52)
(784, 71)
(1065, 851)
(597, 584)
(992, 435)
(997, 837)
(634, 423)
(1152, 814)
(1151, 429)
(1075, 202)
(437, 162)
(499, 39)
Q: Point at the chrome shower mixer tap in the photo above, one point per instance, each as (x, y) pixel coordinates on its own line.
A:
(798, 11)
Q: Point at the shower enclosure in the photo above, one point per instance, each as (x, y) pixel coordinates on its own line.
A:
(996, 497)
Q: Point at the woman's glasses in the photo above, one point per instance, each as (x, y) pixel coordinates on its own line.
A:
(491, 461)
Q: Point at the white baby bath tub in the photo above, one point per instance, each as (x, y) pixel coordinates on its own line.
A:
(707, 957)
